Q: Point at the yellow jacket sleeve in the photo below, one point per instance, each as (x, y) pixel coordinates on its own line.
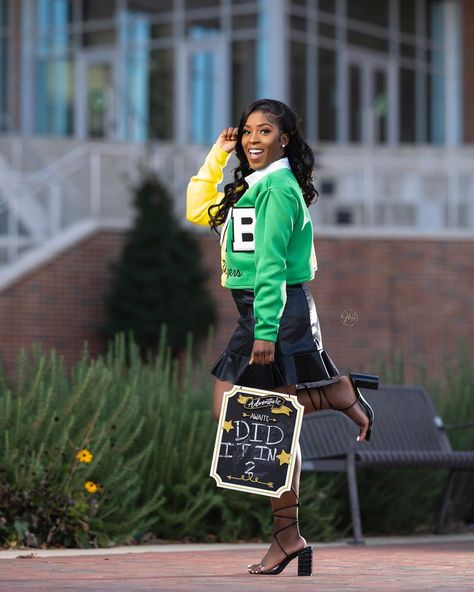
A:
(202, 188)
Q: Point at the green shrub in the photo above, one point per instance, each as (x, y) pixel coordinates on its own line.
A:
(150, 431)
(49, 497)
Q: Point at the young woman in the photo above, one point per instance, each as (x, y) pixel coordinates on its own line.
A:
(267, 256)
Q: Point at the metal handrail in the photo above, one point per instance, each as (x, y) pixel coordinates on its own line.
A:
(51, 186)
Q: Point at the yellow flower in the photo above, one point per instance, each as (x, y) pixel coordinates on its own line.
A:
(91, 487)
(84, 456)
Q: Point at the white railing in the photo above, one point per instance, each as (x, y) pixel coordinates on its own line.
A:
(417, 190)
(421, 189)
(91, 181)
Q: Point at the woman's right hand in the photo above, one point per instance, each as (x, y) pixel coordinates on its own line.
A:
(228, 139)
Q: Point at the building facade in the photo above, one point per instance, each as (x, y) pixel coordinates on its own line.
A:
(387, 72)
(382, 88)
(91, 90)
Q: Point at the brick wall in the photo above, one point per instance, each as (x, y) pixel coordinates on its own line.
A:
(60, 304)
(468, 73)
(413, 295)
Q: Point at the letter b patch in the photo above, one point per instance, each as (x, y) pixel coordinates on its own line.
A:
(244, 229)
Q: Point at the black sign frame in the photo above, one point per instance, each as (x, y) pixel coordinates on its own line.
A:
(257, 441)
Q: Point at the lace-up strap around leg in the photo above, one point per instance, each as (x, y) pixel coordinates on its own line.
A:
(310, 396)
(276, 514)
(322, 393)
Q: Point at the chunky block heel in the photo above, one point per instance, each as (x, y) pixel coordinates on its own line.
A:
(368, 381)
(305, 562)
(365, 381)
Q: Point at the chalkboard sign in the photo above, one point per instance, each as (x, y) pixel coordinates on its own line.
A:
(257, 440)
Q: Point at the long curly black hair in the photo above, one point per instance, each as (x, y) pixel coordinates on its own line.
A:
(297, 151)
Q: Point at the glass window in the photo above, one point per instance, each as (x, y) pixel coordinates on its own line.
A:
(54, 96)
(435, 108)
(327, 6)
(367, 41)
(355, 103)
(4, 119)
(202, 96)
(150, 6)
(298, 80)
(200, 29)
(244, 21)
(162, 30)
(407, 16)
(434, 20)
(92, 38)
(3, 14)
(326, 30)
(379, 105)
(94, 11)
(201, 3)
(95, 32)
(407, 50)
(52, 25)
(135, 34)
(54, 69)
(374, 12)
(327, 94)
(407, 105)
(243, 76)
(161, 94)
(298, 23)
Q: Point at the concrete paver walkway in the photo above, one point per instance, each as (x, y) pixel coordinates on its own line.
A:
(395, 566)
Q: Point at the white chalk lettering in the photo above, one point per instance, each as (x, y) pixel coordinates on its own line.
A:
(241, 426)
(256, 427)
(226, 452)
(282, 435)
(258, 417)
(249, 469)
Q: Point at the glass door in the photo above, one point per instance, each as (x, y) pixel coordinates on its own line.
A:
(97, 108)
(367, 100)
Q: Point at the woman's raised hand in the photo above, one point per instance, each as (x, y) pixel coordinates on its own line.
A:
(227, 139)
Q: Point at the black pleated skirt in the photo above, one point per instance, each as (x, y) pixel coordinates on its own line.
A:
(299, 353)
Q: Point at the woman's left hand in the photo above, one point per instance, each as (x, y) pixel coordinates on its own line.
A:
(263, 352)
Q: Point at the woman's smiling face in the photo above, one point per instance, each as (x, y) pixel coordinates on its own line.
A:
(262, 140)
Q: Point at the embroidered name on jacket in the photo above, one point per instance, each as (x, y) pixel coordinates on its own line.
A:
(243, 229)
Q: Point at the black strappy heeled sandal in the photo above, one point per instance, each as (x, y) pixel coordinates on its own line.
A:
(358, 381)
(305, 556)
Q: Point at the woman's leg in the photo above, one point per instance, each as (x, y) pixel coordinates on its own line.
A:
(290, 538)
(220, 387)
(338, 394)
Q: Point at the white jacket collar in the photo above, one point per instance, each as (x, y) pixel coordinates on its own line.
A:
(282, 163)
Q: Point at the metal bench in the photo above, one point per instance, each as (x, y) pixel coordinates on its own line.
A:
(408, 433)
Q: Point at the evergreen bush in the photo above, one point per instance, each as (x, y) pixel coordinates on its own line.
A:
(159, 278)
